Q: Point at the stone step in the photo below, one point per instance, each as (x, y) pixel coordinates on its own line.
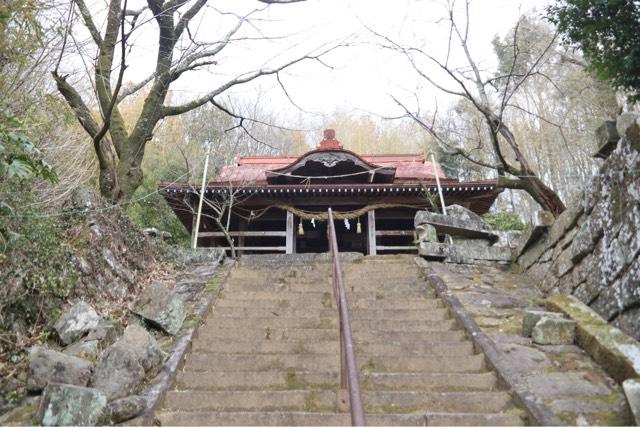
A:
(263, 380)
(251, 400)
(313, 400)
(319, 295)
(419, 401)
(359, 313)
(450, 381)
(332, 347)
(198, 361)
(297, 334)
(312, 302)
(512, 418)
(239, 323)
(353, 290)
(332, 419)
(291, 379)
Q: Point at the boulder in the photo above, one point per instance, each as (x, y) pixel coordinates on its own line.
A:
(106, 332)
(161, 307)
(159, 234)
(76, 322)
(465, 214)
(85, 349)
(531, 317)
(124, 409)
(631, 389)
(47, 366)
(67, 405)
(554, 331)
(124, 364)
(426, 233)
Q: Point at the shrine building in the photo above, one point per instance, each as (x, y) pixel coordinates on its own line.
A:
(280, 203)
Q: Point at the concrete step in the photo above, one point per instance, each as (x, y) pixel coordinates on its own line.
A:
(513, 418)
(331, 419)
(263, 380)
(292, 379)
(251, 400)
(451, 381)
(417, 401)
(198, 361)
(331, 348)
(313, 302)
(211, 333)
(324, 400)
(359, 313)
(400, 290)
(260, 323)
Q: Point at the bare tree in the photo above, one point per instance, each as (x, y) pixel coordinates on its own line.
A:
(490, 95)
(118, 150)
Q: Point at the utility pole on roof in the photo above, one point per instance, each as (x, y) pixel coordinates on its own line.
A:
(194, 242)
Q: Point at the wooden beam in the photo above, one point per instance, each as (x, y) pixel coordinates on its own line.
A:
(290, 233)
(371, 237)
(244, 234)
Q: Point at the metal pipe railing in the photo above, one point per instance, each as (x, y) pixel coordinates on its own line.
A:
(348, 367)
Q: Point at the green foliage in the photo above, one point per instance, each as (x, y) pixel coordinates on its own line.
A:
(19, 159)
(34, 268)
(20, 30)
(608, 32)
(504, 221)
(153, 211)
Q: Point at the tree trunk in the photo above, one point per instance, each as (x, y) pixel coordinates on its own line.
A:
(538, 190)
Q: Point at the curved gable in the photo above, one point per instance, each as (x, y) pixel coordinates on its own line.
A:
(331, 166)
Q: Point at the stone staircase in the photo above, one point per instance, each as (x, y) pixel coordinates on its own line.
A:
(268, 353)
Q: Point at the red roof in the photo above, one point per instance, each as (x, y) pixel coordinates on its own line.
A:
(409, 167)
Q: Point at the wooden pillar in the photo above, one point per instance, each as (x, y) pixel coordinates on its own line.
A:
(371, 236)
(290, 236)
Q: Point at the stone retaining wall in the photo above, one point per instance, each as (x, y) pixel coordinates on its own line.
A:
(592, 249)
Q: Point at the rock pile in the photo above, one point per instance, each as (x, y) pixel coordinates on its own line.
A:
(95, 378)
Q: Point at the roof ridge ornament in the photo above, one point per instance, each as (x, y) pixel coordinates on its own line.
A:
(329, 142)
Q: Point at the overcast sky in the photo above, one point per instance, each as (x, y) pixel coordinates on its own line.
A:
(363, 77)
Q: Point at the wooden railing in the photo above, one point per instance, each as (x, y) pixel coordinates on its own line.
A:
(349, 393)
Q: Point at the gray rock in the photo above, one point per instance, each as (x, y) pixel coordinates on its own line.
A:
(84, 349)
(124, 409)
(531, 317)
(554, 331)
(631, 389)
(107, 332)
(124, 364)
(426, 233)
(194, 256)
(50, 366)
(76, 322)
(161, 307)
(584, 241)
(154, 232)
(120, 270)
(464, 214)
(67, 405)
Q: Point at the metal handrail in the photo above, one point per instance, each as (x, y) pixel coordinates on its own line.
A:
(348, 368)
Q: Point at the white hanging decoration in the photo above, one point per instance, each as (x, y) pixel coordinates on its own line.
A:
(313, 222)
(346, 224)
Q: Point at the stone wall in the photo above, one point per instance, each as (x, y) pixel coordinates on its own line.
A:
(591, 251)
